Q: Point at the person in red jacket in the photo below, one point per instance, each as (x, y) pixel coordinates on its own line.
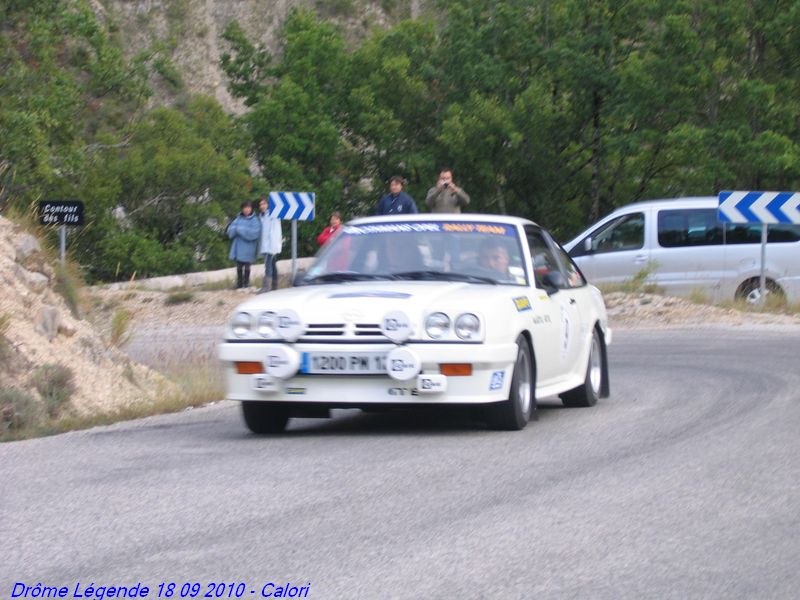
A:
(328, 232)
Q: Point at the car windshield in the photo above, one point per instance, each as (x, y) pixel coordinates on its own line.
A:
(472, 251)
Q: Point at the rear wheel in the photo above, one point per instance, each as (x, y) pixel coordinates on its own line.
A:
(750, 290)
(263, 417)
(588, 392)
(513, 414)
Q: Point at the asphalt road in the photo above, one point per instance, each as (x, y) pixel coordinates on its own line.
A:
(683, 484)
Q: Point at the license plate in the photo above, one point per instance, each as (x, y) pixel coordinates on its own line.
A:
(343, 363)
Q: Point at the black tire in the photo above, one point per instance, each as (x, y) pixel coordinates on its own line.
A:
(750, 290)
(263, 417)
(589, 391)
(513, 414)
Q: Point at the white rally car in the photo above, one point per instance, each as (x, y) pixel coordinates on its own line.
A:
(463, 310)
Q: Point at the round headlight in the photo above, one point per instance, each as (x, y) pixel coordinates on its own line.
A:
(436, 325)
(467, 326)
(241, 323)
(266, 325)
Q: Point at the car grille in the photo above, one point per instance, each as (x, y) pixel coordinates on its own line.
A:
(344, 333)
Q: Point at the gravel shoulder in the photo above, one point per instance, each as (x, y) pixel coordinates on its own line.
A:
(649, 311)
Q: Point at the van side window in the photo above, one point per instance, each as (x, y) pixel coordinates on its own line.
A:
(623, 233)
(688, 227)
(750, 233)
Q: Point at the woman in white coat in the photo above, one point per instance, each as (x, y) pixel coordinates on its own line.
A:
(270, 246)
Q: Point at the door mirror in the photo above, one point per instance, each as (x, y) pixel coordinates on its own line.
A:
(299, 278)
(587, 245)
(553, 281)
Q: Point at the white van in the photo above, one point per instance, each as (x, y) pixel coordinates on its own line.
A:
(689, 249)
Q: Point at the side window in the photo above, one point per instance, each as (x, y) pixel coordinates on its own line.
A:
(574, 276)
(750, 233)
(623, 233)
(688, 227)
(544, 261)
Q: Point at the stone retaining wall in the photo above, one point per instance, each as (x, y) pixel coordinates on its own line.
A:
(188, 280)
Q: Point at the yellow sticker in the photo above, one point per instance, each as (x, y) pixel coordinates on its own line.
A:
(522, 303)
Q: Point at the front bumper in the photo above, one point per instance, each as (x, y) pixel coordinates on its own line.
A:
(492, 366)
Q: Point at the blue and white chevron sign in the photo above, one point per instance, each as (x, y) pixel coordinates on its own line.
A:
(759, 207)
(292, 206)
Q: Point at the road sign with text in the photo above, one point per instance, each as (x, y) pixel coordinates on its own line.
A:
(61, 212)
(292, 206)
(759, 207)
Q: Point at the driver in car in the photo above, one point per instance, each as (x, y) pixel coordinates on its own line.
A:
(493, 256)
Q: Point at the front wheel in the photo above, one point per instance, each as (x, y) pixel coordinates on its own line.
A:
(588, 392)
(513, 414)
(263, 417)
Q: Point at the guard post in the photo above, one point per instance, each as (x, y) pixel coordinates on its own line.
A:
(765, 208)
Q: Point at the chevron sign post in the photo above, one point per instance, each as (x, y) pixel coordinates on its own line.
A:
(294, 206)
(764, 208)
(759, 207)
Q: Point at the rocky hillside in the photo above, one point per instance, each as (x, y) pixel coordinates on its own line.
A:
(189, 32)
(54, 364)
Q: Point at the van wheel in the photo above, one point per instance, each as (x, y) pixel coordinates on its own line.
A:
(264, 417)
(513, 414)
(750, 290)
(588, 392)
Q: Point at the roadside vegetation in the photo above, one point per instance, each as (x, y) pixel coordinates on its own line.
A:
(179, 297)
(24, 415)
(640, 284)
(120, 328)
(558, 112)
(189, 383)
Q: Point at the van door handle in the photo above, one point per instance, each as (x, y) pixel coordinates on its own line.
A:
(572, 300)
(640, 258)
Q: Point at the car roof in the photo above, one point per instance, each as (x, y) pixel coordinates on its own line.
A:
(672, 203)
(448, 217)
(684, 202)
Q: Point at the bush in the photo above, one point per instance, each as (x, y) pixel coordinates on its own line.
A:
(120, 323)
(5, 343)
(179, 297)
(69, 285)
(55, 384)
(18, 410)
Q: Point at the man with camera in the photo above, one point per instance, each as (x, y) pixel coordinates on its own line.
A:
(446, 196)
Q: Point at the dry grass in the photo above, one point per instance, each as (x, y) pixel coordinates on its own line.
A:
(56, 385)
(636, 284)
(5, 343)
(774, 304)
(179, 297)
(698, 296)
(120, 328)
(189, 385)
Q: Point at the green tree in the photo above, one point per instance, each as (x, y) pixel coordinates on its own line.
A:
(62, 84)
(169, 194)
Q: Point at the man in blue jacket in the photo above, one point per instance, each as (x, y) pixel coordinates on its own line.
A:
(396, 202)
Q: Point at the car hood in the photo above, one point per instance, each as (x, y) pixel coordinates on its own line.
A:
(370, 301)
